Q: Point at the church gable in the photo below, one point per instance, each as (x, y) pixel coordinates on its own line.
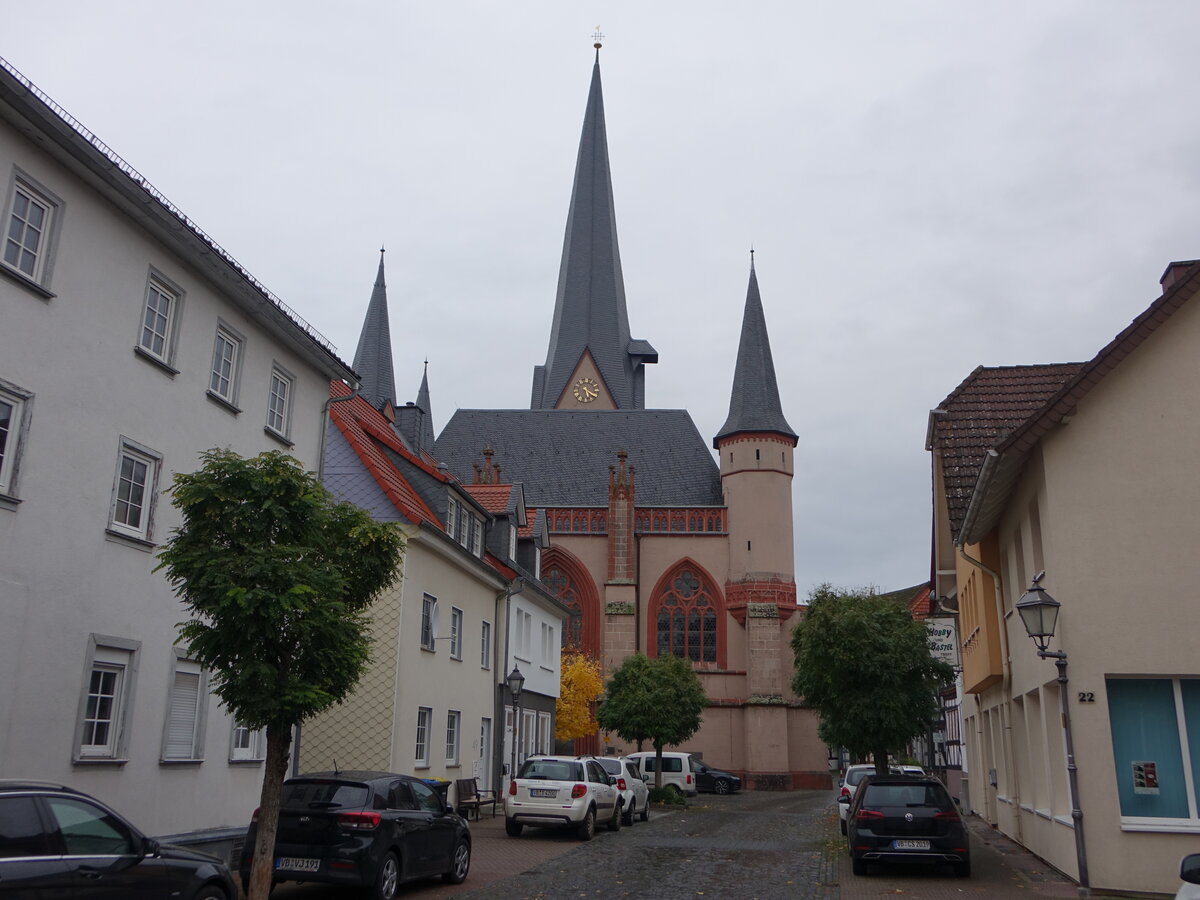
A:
(586, 388)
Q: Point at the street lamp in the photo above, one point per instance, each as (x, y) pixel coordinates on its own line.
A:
(1039, 613)
(516, 682)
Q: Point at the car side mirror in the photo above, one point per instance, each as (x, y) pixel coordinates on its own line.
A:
(845, 800)
(150, 847)
(1189, 868)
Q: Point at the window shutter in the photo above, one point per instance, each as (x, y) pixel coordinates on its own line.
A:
(181, 718)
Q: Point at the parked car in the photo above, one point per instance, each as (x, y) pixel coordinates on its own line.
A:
(364, 829)
(635, 796)
(906, 819)
(562, 791)
(910, 770)
(677, 772)
(59, 842)
(716, 781)
(849, 785)
(1189, 871)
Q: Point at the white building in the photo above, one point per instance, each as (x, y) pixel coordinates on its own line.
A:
(129, 343)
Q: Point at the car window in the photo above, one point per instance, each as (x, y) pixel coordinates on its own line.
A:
(400, 796)
(878, 795)
(20, 830)
(550, 770)
(634, 770)
(426, 798)
(324, 794)
(88, 830)
(611, 766)
(672, 764)
(854, 776)
(596, 773)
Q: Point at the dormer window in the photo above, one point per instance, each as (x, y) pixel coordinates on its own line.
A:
(464, 527)
(512, 543)
(451, 516)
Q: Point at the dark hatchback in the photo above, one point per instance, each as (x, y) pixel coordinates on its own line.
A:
(906, 819)
(59, 842)
(716, 781)
(364, 829)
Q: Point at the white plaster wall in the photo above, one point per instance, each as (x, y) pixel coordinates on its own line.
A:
(61, 577)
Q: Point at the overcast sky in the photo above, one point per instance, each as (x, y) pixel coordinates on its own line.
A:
(929, 186)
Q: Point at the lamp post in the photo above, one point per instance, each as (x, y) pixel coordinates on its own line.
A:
(1039, 613)
(516, 682)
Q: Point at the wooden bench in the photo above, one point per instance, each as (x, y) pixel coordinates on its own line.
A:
(472, 797)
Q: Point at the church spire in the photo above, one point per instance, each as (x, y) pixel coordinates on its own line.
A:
(754, 402)
(426, 437)
(591, 322)
(373, 358)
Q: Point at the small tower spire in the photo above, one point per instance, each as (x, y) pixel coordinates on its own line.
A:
(373, 358)
(426, 436)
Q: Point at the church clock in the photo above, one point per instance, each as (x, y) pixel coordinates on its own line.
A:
(586, 390)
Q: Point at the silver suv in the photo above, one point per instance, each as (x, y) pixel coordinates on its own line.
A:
(564, 792)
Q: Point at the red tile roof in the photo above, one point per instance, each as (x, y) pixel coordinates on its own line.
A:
(492, 497)
(979, 414)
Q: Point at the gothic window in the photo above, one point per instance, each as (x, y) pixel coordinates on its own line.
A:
(686, 622)
(569, 582)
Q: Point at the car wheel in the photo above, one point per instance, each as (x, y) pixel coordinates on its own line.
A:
(721, 787)
(676, 791)
(614, 824)
(963, 869)
(460, 864)
(859, 866)
(587, 828)
(513, 828)
(388, 879)
(646, 810)
(627, 814)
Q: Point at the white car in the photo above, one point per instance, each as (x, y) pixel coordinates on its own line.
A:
(1189, 871)
(677, 770)
(635, 796)
(564, 792)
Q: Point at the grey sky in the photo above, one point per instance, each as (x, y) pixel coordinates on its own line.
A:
(930, 186)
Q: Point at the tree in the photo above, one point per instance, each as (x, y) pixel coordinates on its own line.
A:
(659, 700)
(580, 685)
(277, 579)
(863, 663)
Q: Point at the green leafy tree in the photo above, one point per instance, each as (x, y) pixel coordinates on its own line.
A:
(277, 579)
(659, 700)
(863, 663)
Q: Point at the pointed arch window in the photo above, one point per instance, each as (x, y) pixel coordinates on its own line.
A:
(569, 582)
(686, 621)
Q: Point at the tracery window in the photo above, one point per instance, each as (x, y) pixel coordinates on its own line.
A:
(569, 581)
(687, 618)
(560, 585)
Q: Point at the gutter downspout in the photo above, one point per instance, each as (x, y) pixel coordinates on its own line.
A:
(321, 478)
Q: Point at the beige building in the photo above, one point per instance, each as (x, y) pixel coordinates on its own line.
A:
(1084, 471)
(129, 343)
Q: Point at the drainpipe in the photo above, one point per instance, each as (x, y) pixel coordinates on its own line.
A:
(515, 588)
(1006, 706)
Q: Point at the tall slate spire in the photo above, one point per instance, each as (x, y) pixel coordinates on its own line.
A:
(754, 402)
(426, 441)
(590, 315)
(373, 358)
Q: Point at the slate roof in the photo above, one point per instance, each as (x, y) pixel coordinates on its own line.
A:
(424, 404)
(373, 358)
(981, 412)
(589, 310)
(754, 402)
(562, 456)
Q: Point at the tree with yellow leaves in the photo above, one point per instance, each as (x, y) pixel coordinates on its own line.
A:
(579, 688)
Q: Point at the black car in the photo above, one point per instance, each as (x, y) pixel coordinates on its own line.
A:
(716, 781)
(59, 842)
(364, 829)
(906, 819)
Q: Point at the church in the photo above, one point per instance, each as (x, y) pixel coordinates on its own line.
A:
(655, 545)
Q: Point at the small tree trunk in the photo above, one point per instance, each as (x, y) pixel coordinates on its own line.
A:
(279, 745)
(880, 758)
(657, 765)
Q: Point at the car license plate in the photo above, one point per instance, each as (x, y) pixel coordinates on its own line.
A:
(910, 845)
(542, 792)
(298, 865)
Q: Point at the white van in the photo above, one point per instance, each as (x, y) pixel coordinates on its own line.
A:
(677, 773)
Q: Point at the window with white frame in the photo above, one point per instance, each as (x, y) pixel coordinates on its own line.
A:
(512, 541)
(12, 410)
(246, 743)
(522, 623)
(453, 733)
(156, 336)
(477, 537)
(545, 734)
(428, 622)
(529, 734)
(485, 646)
(549, 651)
(183, 730)
(279, 402)
(456, 632)
(451, 516)
(108, 684)
(133, 490)
(27, 237)
(1155, 726)
(424, 719)
(226, 364)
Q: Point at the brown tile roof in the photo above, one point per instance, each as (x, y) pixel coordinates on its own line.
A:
(918, 599)
(492, 497)
(526, 530)
(990, 403)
